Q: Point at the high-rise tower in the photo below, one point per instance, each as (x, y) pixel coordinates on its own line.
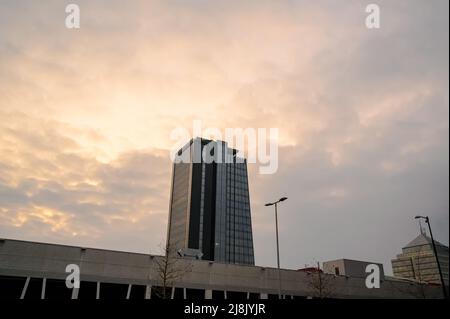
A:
(210, 204)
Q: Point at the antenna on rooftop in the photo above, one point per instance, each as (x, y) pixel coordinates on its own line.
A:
(422, 229)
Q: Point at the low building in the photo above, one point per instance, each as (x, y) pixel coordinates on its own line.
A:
(349, 267)
(38, 270)
(417, 261)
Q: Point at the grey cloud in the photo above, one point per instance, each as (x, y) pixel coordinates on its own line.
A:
(355, 209)
(131, 192)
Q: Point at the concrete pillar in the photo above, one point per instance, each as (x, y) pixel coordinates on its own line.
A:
(97, 293)
(129, 291)
(75, 292)
(25, 287)
(148, 292)
(44, 283)
(208, 294)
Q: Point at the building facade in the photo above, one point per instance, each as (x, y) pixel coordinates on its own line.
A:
(349, 267)
(31, 270)
(210, 203)
(417, 261)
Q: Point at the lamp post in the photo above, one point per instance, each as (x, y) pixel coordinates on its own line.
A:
(427, 220)
(278, 246)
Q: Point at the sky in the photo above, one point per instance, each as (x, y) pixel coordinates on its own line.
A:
(363, 118)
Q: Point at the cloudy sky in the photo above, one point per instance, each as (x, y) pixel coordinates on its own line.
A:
(363, 118)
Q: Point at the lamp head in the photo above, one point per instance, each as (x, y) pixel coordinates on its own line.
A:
(283, 199)
(422, 217)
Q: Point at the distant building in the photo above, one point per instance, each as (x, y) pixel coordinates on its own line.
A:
(210, 204)
(349, 267)
(417, 261)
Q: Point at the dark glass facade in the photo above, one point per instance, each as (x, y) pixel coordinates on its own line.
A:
(210, 205)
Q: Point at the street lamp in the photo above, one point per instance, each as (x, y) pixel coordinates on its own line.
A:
(427, 220)
(278, 246)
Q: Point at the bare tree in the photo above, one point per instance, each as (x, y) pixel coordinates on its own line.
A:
(320, 284)
(169, 269)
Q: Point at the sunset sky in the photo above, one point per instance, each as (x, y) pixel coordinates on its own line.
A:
(363, 118)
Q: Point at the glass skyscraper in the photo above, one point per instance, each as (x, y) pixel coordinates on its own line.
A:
(210, 204)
